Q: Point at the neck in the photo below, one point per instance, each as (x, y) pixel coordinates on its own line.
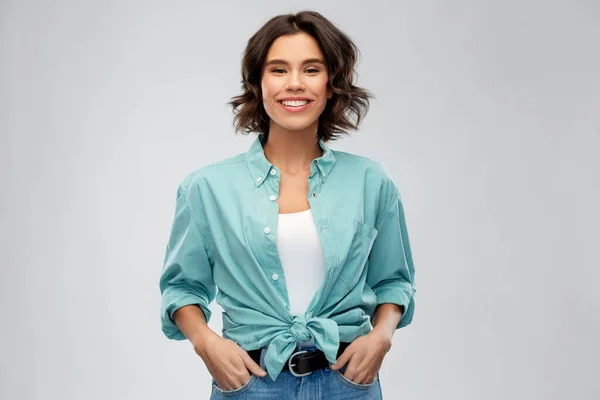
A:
(292, 151)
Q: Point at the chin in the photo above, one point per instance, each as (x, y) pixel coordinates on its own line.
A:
(296, 127)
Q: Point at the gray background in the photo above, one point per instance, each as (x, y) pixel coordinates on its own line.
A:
(487, 115)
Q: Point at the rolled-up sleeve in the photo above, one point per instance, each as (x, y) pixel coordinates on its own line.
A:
(391, 270)
(186, 276)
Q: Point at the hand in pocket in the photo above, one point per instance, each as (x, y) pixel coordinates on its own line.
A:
(229, 364)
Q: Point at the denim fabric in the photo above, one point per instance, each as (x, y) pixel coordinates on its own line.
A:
(321, 384)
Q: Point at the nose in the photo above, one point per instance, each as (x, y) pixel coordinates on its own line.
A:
(294, 81)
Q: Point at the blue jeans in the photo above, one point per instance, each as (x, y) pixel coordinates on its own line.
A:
(320, 384)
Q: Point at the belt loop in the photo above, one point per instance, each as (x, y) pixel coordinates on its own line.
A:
(263, 350)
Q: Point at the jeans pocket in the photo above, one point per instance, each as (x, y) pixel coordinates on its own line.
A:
(233, 392)
(360, 386)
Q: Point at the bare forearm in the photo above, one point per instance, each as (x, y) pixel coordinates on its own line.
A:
(386, 318)
(191, 321)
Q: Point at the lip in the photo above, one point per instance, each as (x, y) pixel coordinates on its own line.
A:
(295, 109)
(295, 98)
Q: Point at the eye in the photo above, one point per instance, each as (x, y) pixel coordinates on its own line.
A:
(278, 71)
(312, 70)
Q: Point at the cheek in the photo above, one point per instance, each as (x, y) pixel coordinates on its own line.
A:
(321, 87)
(264, 89)
(268, 88)
(267, 98)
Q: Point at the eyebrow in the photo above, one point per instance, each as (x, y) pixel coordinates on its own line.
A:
(308, 61)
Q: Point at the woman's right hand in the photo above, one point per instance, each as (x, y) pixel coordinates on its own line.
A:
(227, 362)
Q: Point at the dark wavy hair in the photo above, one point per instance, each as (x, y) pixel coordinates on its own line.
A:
(348, 104)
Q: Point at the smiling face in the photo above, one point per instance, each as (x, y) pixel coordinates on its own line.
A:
(294, 83)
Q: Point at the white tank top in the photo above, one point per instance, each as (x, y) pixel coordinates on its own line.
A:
(302, 259)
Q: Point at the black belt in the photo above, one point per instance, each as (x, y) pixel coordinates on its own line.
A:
(303, 361)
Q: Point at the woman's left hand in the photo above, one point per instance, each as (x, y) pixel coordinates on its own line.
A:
(364, 356)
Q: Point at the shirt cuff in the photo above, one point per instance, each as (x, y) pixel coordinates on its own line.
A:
(402, 294)
(172, 300)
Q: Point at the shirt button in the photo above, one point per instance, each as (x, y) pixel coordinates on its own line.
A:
(275, 277)
(267, 229)
(258, 179)
(273, 172)
(323, 173)
(272, 198)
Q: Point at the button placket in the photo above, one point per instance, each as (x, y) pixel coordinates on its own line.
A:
(272, 215)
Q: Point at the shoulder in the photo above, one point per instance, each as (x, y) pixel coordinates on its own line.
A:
(367, 168)
(375, 177)
(209, 172)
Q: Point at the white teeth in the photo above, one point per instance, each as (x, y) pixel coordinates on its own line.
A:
(294, 103)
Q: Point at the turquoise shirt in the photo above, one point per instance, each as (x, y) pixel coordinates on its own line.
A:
(223, 236)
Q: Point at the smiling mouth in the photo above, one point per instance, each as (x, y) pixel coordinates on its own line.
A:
(294, 103)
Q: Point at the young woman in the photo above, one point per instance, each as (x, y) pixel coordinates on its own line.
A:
(307, 246)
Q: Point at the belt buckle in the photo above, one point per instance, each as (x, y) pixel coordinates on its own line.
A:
(290, 365)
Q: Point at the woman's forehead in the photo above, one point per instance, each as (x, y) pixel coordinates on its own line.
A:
(294, 48)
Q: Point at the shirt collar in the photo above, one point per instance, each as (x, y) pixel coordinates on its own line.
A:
(259, 166)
